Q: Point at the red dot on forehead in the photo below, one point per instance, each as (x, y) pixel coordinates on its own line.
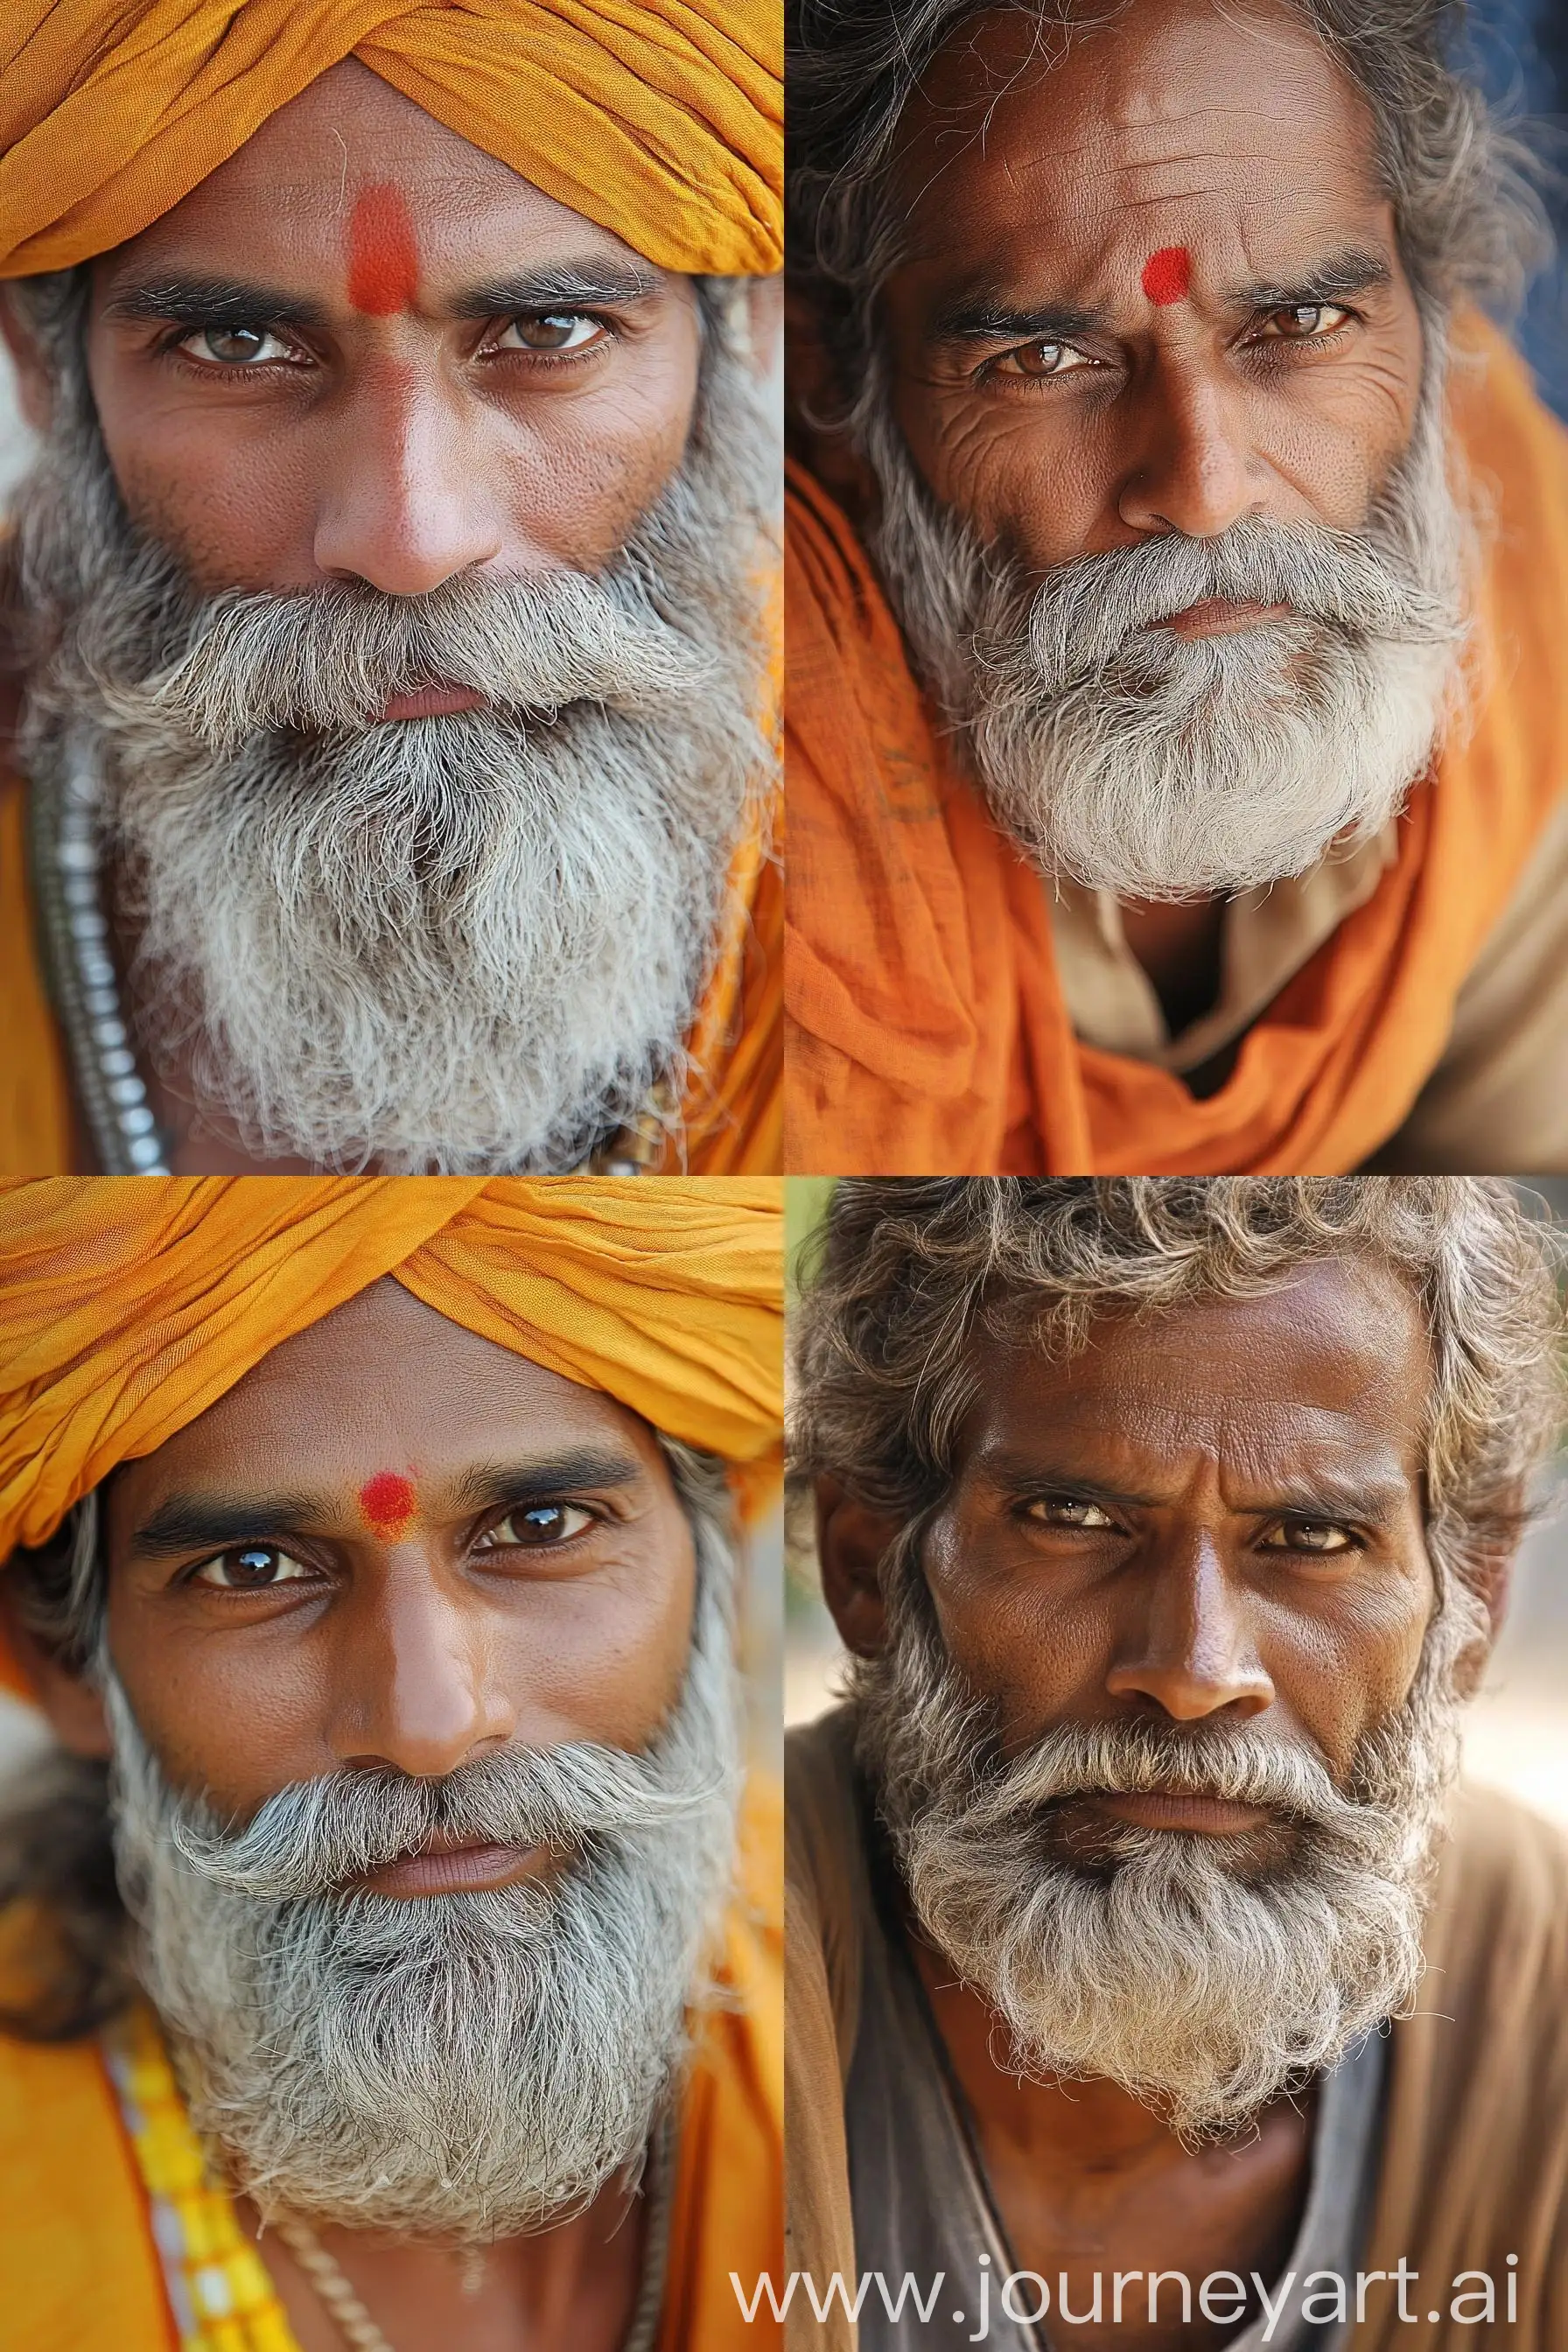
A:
(1168, 274)
(388, 1502)
(384, 261)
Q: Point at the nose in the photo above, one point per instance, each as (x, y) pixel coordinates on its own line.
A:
(1192, 1651)
(412, 1673)
(404, 506)
(1195, 471)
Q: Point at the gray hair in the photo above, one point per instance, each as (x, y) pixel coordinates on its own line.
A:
(1462, 183)
(914, 1275)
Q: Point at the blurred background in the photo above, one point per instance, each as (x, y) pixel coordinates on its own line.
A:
(1516, 1729)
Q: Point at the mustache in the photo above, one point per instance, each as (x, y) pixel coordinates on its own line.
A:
(1231, 1762)
(1358, 584)
(313, 1838)
(330, 660)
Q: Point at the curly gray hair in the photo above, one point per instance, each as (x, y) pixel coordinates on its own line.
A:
(911, 1274)
(1463, 185)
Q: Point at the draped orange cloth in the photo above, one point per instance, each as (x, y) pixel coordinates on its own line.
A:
(926, 1031)
(659, 119)
(128, 1306)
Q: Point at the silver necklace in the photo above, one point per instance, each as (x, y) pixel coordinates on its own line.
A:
(359, 2330)
(65, 853)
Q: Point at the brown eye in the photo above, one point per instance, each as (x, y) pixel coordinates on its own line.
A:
(557, 331)
(1069, 1511)
(235, 346)
(1305, 321)
(1322, 1537)
(1041, 360)
(250, 1568)
(537, 1527)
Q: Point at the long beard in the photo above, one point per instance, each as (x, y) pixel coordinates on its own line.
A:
(466, 944)
(1202, 1988)
(1133, 761)
(456, 2067)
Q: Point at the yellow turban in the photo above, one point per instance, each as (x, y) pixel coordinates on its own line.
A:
(660, 120)
(127, 1305)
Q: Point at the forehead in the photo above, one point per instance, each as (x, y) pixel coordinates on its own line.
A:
(1230, 131)
(383, 1382)
(1332, 1373)
(282, 204)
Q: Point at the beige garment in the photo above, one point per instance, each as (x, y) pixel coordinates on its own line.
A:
(1474, 2161)
(1497, 1102)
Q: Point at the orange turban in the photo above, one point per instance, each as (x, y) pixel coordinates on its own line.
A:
(127, 1305)
(660, 120)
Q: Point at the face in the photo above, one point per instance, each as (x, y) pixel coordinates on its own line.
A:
(363, 350)
(394, 1543)
(1160, 294)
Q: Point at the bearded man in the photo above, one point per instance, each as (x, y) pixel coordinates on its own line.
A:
(1168, 1522)
(392, 592)
(388, 1958)
(1178, 569)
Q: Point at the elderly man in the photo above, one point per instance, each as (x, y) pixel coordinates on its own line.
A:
(393, 595)
(1167, 1523)
(1178, 746)
(379, 1538)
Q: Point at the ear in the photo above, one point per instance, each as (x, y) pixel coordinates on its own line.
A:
(851, 1543)
(35, 384)
(73, 1706)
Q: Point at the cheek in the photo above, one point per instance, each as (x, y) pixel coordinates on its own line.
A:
(1018, 1632)
(1008, 467)
(582, 471)
(602, 1657)
(1344, 1665)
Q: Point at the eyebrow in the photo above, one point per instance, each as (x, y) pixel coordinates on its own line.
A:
(183, 1523)
(199, 301)
(1370, 1500)
(984, 315)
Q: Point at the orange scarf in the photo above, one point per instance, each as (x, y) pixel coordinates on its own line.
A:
(926, 1028)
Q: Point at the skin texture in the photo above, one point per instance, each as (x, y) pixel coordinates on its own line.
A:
(1121, 1540)
(1228, 138)
(419, 1644)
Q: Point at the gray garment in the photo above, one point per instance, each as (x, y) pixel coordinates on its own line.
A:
(922, 2206)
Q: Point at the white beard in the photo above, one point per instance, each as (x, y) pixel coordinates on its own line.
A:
(463, 944)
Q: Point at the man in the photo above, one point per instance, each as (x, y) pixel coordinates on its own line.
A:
(379, 1538)
(391, 593)
(1176, 749)
(1167, 1524)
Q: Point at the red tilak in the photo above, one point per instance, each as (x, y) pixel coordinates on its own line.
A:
(384, 261)
(388, 1502)
(1168, 274)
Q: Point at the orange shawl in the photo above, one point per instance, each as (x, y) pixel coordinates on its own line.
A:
(926, 1031)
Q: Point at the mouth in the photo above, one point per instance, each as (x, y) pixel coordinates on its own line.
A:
(1219, 616)
(1207, 1816)
(431, 702)
(458, 1866)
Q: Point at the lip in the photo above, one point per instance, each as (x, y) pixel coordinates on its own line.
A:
(443, 1868)
(432, 702)
(1221, 616)
(1208, 1816)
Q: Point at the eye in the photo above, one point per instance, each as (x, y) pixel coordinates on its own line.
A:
(537, 1527)
(1038, 360)
(1323, 1537)
(250, 1568)
(1068, 1511)
(1304, 322)
(236, 347)
(556, 330)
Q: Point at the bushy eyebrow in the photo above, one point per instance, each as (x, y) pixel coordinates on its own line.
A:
(186, 1523)
(1375, 1499)
(983, 314)
(202, 301)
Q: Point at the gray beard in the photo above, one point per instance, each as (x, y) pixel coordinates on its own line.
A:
(460, 2067)
(1129, 759)
(1202, 1991)
(465, 944)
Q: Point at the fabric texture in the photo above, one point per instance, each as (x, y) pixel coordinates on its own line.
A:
(927, 1029)
(659, 119)
(130, 1305)
(77, 2254)
(1475, 2162)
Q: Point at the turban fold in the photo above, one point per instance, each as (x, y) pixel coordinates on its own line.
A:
(129, 1304)
(660, 120)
